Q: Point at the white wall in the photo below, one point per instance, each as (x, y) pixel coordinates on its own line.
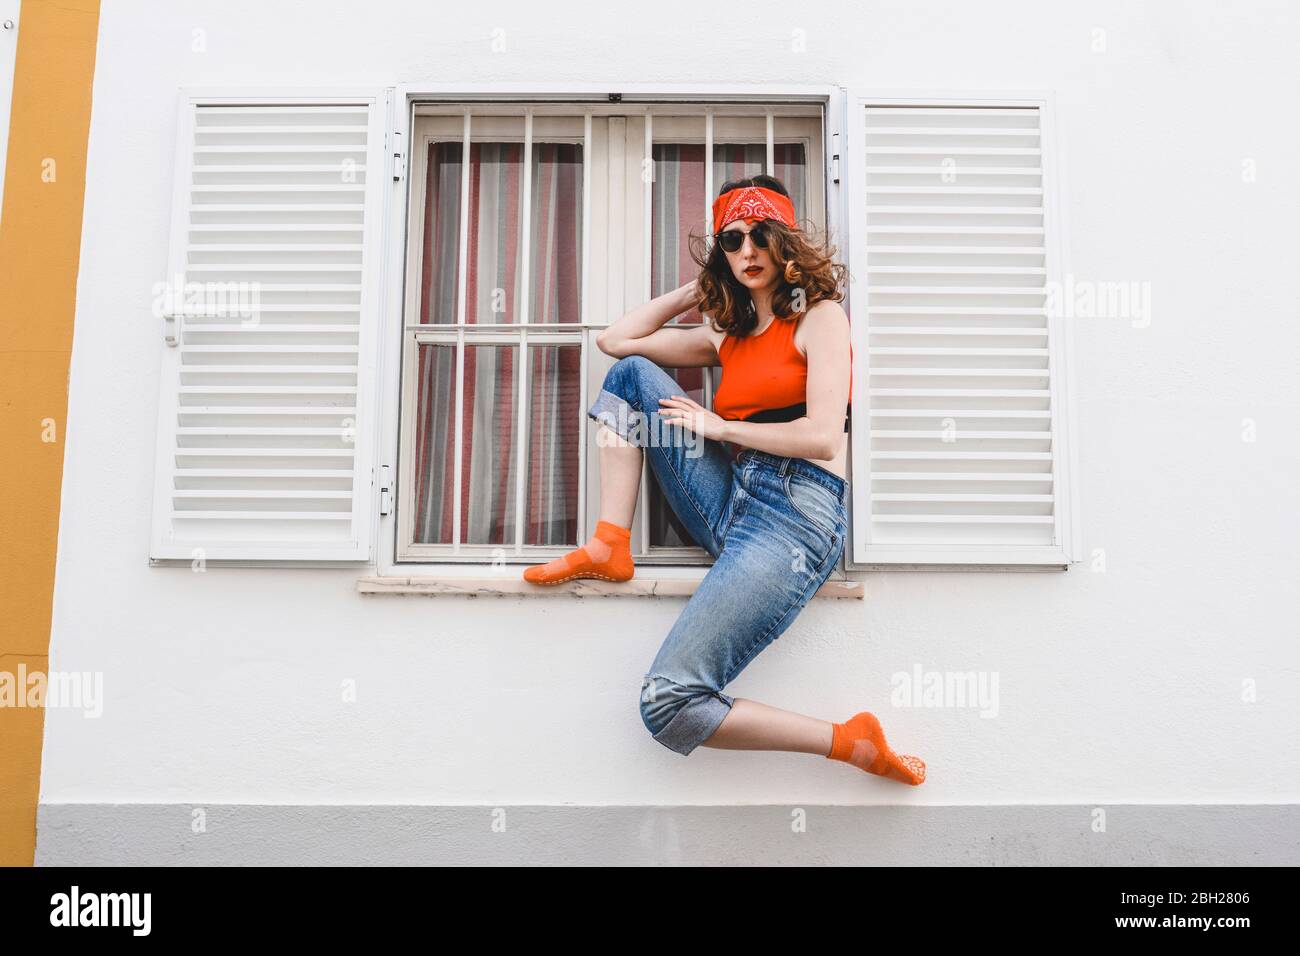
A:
(1115, 685)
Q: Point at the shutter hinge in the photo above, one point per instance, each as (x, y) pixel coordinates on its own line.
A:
(399, 160)
(385, 489)
(835, 157)
(171, 327)
(171, 316)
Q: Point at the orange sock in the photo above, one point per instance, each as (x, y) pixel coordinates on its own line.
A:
(608, 556)
(861, 742)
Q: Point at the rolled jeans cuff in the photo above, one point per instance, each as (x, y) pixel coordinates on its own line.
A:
(615, 412)
(695, 722)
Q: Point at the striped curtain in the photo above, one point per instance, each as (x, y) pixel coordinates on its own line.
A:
(489, 427)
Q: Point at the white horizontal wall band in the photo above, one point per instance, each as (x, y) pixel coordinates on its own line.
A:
(100, 834)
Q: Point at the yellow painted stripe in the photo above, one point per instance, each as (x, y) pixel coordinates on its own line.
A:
(40, 244)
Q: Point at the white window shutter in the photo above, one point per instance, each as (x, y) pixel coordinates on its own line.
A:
(961, 455)
(267, 417)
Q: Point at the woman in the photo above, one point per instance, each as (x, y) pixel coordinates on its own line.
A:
(773, 516)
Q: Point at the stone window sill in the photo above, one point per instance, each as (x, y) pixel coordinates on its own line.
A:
(500, 586)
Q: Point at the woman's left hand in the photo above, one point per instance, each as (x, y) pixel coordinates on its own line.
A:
(680, 410)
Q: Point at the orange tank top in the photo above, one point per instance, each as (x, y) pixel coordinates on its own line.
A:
(765, 373)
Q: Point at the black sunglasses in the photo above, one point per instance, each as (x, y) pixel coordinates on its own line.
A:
(732, 239)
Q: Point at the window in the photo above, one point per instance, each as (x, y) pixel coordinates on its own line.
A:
(529, 226)
(561, 221)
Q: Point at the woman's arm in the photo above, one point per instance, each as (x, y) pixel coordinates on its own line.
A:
(639, 333)
(785, 439)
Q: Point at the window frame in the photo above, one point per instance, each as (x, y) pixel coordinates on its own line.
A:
(475, 559)
(840, 171)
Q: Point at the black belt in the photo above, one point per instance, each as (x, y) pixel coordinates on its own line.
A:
(790, 413)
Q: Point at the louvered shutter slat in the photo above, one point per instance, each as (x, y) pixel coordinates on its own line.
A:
(266, 422)
(961, 431)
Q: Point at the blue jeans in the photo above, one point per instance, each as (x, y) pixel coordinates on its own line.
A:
(775, 527)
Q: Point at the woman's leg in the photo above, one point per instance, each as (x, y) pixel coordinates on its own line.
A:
(607, 554)
(620, 476)
(859, 740)
(754, 726)
(754, 591)
(695, 474)
(774, 561)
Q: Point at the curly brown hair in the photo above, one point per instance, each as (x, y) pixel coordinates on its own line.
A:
(804, 260)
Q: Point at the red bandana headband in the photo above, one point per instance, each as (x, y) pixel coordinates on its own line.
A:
(752, 202)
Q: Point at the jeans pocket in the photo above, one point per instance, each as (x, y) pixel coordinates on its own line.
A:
(816, 504)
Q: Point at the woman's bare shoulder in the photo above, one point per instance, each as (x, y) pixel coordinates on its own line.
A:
(828, 310)
(823, 312)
